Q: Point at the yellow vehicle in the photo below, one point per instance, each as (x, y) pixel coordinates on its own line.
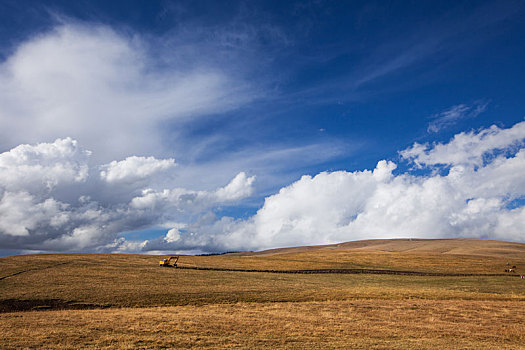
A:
(168, 261)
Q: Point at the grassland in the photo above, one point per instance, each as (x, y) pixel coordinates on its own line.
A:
(126, 301)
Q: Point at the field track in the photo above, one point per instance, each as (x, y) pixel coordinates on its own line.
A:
(314, 271)
(354, 271)
(33, 269)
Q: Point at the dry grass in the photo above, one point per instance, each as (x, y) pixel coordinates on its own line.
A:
(414, 324)
(430, 255)
(177, 308)
(455, 246)
(137, 281)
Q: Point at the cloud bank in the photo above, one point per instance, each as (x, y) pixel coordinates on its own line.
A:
(51, 199)
(472, 186)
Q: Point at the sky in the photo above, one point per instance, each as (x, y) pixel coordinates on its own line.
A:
(205, 127)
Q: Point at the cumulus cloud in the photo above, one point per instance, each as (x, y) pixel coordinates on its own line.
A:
(475, 197)
(173, 235)
(239, 187)
(134, 168)
(43, 166)
(20, 213)
(479, 191)
(467, 148)
(52, 199)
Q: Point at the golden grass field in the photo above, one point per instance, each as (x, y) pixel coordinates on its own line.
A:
(69, 301)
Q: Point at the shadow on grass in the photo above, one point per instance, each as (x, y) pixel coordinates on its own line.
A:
(15, 305)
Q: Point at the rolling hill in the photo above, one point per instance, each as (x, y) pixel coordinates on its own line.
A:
(454, 246)
(402, 289)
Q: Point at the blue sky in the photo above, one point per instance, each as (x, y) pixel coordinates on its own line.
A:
(272, 90)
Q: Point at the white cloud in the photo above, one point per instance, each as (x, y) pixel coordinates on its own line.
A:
(467, 148)
(173, 235)
(240, 187)
(107, 90)
(179, 198)
(452, 115)
(134, 168)
(473, 199)
(44, 166)
(475, 195)
(20, 213)
(49, 201)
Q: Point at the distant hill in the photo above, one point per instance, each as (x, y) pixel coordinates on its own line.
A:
(454, 246)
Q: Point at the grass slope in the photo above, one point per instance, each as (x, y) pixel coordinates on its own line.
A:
(455, 246)
(368, 324)
(220, 309)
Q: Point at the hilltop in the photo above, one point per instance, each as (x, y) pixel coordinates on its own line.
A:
(454, 246)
